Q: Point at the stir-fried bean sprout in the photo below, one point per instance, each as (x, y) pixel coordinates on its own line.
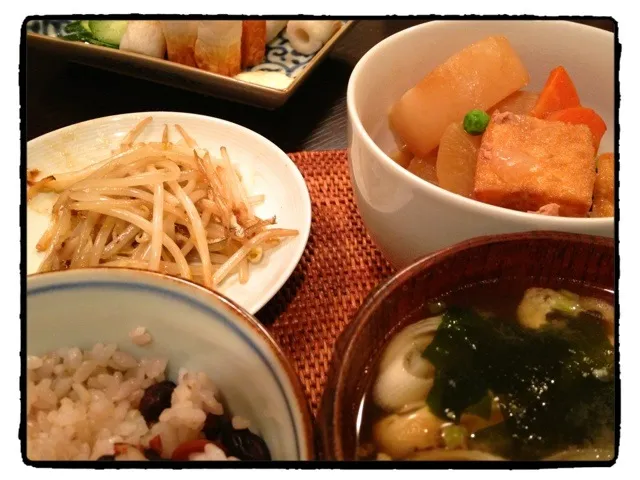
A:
(161, 206)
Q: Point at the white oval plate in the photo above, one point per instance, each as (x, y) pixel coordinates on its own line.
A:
(274, 175)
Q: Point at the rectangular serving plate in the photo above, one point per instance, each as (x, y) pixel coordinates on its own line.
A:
(182, 76)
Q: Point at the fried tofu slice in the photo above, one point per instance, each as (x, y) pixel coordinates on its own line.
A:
(525, 163)
(603, 192)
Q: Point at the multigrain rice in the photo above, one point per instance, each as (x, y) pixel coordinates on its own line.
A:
(140, 336)
(82, 403)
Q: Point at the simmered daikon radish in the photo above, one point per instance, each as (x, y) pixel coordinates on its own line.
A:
(479, 76)
(457, 156)
(424, 167)
(520, 102)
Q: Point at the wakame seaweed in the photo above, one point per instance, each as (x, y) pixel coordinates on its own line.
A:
(554, 385)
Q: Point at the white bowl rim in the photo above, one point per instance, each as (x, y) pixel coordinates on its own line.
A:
(303, 232)
(212, 304)
(455, 200)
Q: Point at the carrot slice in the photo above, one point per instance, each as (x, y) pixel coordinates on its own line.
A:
(184, 450)
(558, 93)
(584, 116)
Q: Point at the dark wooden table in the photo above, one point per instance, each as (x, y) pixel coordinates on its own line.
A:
(61, 93)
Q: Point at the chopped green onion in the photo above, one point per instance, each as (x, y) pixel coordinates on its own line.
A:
(563, 303)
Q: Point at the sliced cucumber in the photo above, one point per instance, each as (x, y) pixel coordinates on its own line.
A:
(95, 41)
(109, 32)
(82, 36)
(78, 27)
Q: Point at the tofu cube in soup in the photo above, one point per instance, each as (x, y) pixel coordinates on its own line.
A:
(525, 163)
(603, 193)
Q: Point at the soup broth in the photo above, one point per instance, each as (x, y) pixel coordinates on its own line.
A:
(503, 370)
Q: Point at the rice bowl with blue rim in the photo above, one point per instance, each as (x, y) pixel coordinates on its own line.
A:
(213, 344)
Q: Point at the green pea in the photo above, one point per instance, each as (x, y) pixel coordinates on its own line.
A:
(475, 122)
(454, 436)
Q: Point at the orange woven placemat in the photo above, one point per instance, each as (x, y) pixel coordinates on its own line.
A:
(339, 267)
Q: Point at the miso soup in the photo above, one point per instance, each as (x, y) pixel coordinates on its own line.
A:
(499, 371)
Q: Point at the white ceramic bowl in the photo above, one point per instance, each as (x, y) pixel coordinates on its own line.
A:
(408, 217)
(271, 172)
(191, 326)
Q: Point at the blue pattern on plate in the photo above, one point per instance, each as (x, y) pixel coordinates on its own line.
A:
(51, 28)
(279, 56)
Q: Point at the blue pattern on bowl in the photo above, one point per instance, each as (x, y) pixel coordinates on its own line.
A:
(279, 56)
